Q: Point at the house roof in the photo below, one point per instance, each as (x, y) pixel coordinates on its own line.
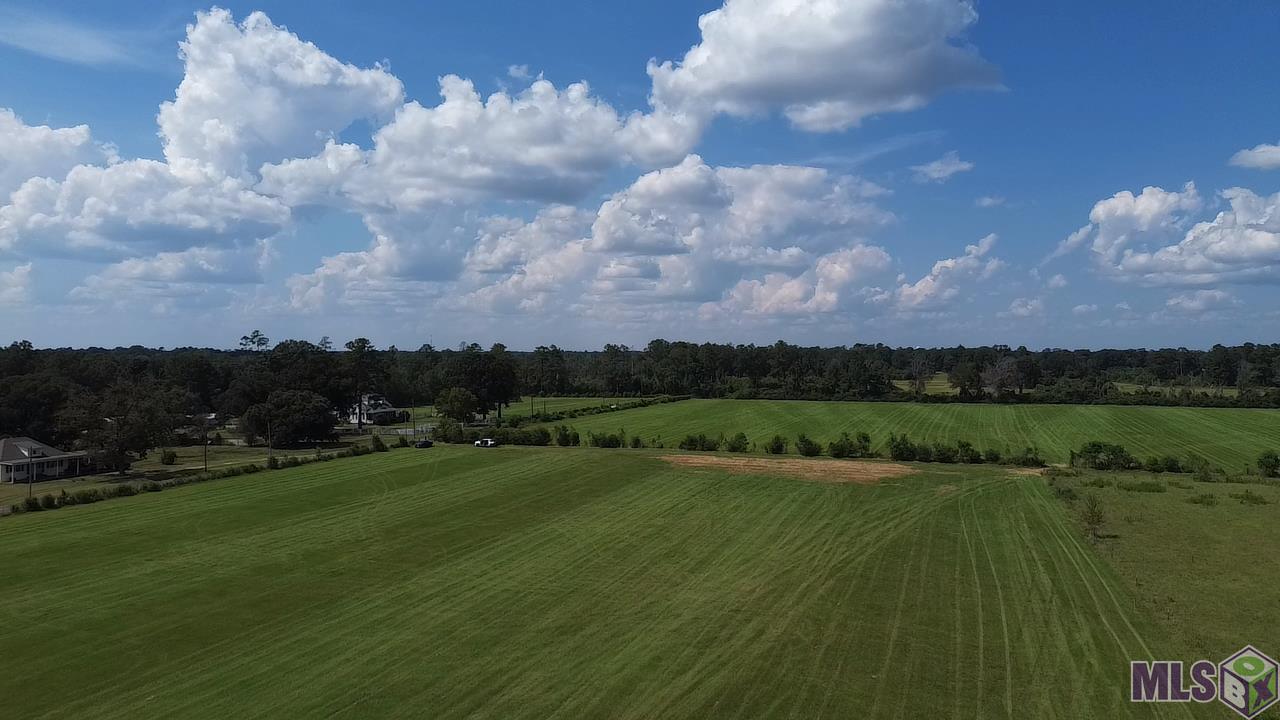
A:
(24, 449)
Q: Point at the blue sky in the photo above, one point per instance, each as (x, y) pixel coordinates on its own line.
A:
(862, 171)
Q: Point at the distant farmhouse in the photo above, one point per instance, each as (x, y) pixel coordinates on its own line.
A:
(25, 460)
(375, 410)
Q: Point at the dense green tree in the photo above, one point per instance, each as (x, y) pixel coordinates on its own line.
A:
(458, 404)
(290, 417)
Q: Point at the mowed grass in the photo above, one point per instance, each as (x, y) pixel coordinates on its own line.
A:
(526, 406)
(1187, 561)
(569, 583)
(1230, 438)
(937, 384)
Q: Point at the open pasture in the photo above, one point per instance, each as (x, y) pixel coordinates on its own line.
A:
(535, 583)
(1230, 438)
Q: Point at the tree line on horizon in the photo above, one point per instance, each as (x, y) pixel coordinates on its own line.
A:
(128, 400)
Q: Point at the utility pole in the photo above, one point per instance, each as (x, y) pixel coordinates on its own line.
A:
(204, 438)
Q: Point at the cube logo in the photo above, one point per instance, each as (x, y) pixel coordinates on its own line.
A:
(1247, 682)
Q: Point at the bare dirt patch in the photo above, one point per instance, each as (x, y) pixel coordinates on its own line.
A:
(947, 489)
(830, 471)
(1033, 472)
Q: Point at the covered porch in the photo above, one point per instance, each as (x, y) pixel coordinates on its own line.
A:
(38, 469)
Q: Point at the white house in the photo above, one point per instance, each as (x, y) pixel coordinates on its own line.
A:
(22, 458)
(375, 410)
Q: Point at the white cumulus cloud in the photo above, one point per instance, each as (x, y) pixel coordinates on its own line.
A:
(254, 93)
(942, 169)
(1152, 238)
(1260, 157)
(41, 151)
(945, 280)
(826, 64)
(15, 286)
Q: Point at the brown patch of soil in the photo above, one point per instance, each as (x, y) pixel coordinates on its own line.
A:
(831, 471)
(1033, 472)
(945, 489)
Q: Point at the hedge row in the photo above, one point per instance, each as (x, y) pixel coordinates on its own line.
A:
(90, 495)
(901, 448)
(557, 416)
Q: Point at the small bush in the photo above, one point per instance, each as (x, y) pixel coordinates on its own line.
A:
(967, 453)
(1269, 464)
(48, 502)
(32, 504)
(1146, 486)
(901, 448)
(604, 440)
(377, 444)
(402, 442)
(273, 462)
(807, 447)
(1064, 492)
(777, 445)
(1097, 482)
(1203, 499)
(862, 446)
(1093, 515)
(636, 442)
(1029, 457)
(699, 442)
(1104, 456)
(841, 447)
(992, 456)
(944, 453)
(168, 457)
(1248, 497)
(738, 443)
(566, 437)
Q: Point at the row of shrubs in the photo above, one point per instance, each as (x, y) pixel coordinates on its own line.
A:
(452, 432)
(558, 415)
(1107, 456)
(98, 493)
(902, 448)
(857, 445)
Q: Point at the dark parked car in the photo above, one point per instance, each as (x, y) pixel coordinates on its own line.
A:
(423, 444)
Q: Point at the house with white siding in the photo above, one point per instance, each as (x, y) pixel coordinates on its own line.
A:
(25, 460)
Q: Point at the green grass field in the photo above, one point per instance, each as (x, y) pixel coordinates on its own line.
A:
(936, 385)
(521, 408)
(1183, 559)
(1230, 438)
(579, 583)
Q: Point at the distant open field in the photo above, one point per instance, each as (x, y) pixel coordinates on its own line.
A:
(936, 385)
(527, 406)
(579, 583)
(1230, 438)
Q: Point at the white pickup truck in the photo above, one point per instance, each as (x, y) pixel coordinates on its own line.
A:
(487, 443)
